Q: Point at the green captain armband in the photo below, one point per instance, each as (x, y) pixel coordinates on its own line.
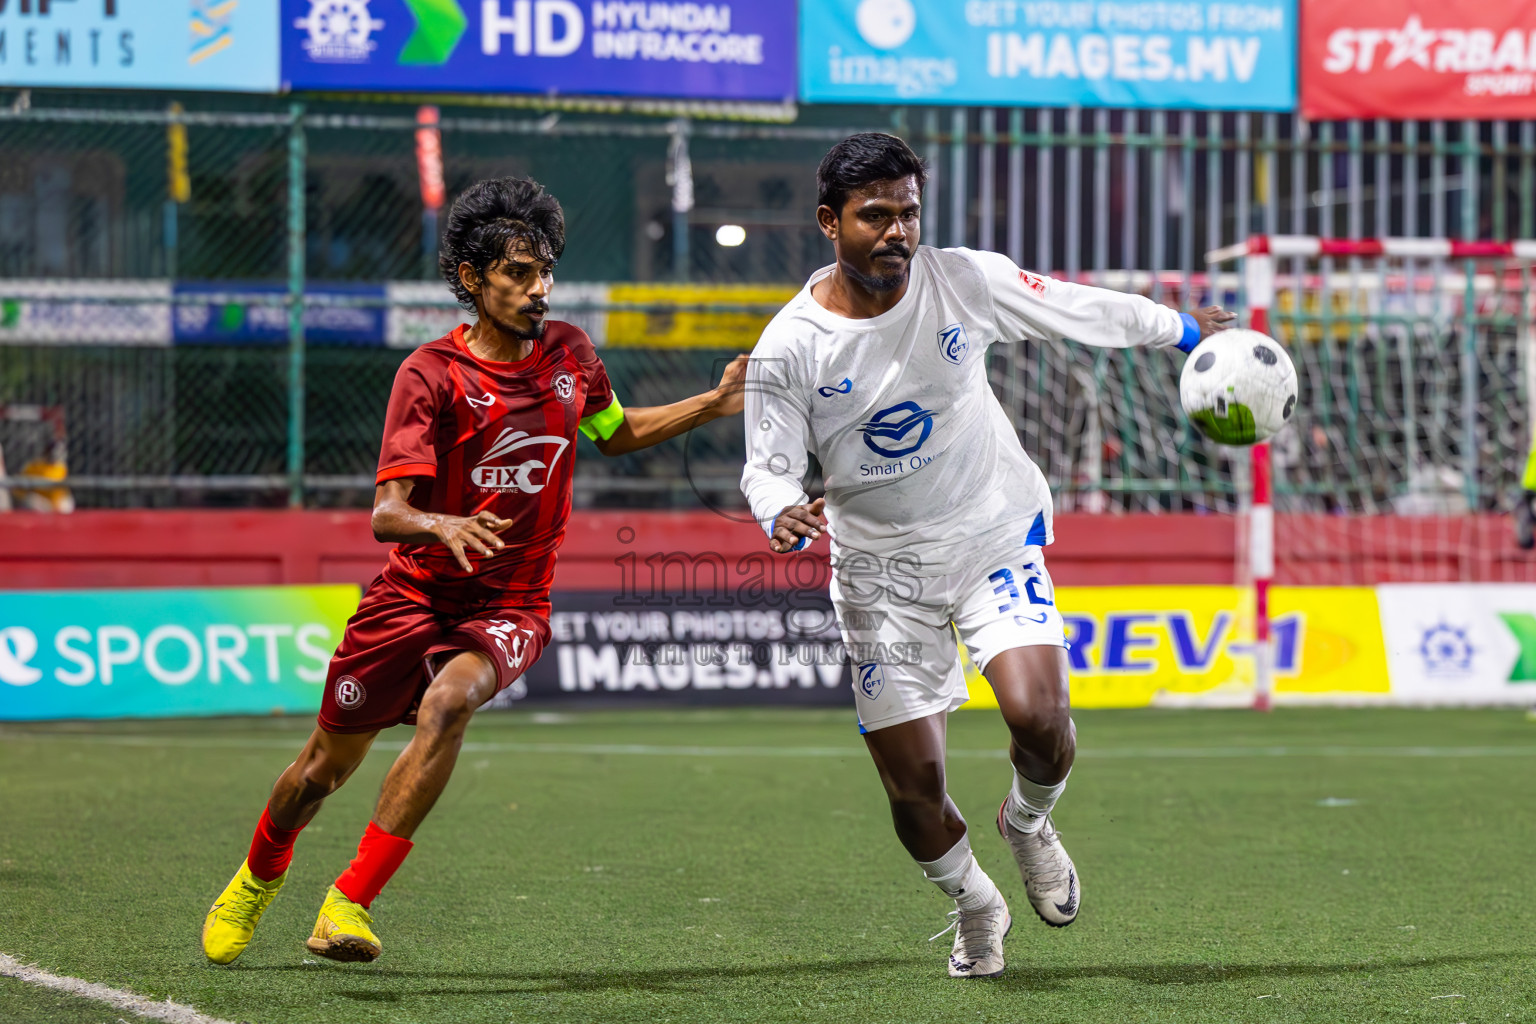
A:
(600, 426)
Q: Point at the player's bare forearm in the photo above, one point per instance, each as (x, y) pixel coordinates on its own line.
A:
(397, 521)
(651, 425)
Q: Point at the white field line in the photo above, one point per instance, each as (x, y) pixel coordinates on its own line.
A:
(118, 998)
(656, 750)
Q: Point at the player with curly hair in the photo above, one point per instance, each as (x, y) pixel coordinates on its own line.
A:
(474, 488)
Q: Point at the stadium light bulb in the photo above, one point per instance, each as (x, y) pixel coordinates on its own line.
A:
(730, 235)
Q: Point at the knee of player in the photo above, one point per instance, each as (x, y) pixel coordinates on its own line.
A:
(321, 777)
(444, 711)
(1038, 726)
(917, 786)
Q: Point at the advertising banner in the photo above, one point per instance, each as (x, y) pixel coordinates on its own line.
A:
(1141, 646)
(155, 653)
(708, 51)
(245, 314)
(1455, 643)
(1418, 59)
(657, 325)
(725, 649)
(118, 313)
(140, 44)
(1099, 53)
(258, 650)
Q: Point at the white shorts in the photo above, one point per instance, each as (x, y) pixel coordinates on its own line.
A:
(900, 630)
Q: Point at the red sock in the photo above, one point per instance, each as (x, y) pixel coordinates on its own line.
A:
(379, 856)
(271, 848)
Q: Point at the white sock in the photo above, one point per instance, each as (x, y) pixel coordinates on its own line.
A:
(1030, 802)
(960, 877)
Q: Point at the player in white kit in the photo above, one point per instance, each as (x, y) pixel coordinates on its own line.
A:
(938, 520)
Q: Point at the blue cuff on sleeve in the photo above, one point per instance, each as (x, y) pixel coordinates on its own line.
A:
(1191, 336)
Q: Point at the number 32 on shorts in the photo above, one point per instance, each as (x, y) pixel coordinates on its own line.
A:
(1006, 585)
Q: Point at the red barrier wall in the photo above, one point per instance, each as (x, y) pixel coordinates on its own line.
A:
(184, 548)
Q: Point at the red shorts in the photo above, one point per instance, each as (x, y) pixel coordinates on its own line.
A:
(391, 649)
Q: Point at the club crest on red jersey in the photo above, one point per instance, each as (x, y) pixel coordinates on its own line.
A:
(563, 384)
(529, 476)
(350, 693)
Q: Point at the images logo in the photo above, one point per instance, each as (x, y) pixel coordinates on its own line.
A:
(885, 24)
(895, 426)
(827, 391)
(519, 477)
(339, 31)
(953, 343)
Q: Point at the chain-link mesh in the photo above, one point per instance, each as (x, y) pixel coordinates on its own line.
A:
(156, 332)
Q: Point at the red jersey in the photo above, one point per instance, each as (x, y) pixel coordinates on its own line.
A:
(481, 435)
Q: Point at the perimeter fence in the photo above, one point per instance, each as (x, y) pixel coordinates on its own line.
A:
(207, 306)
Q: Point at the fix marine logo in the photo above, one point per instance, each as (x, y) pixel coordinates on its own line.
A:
(528, 476)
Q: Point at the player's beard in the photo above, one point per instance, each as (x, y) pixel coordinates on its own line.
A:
(521, 333)
(881, 281)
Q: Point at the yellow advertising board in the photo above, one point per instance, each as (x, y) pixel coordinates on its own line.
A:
(1139, 646)
(676, 315)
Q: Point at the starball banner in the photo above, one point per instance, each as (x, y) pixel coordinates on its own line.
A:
(1418, 59)
(1102, 53)
(731, 50)
(140, 44)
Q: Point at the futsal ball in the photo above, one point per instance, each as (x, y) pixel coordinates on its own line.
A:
(1238, 386)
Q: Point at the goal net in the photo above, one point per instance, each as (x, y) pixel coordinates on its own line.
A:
(1414, 359)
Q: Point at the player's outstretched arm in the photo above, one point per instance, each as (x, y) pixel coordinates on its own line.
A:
(397, 521)
(654, 424)
(1034, 306)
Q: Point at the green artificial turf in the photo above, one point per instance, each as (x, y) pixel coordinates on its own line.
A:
(1308, 865)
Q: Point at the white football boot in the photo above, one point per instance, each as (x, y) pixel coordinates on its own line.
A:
(1050, 880)
(978, 948)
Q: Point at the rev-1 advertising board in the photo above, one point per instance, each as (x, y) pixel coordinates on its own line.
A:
(1103, 53)
(733, 50)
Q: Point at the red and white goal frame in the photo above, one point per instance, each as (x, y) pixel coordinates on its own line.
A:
(1256, 295)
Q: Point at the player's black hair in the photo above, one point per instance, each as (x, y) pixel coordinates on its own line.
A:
(861, 160)
(489, 220)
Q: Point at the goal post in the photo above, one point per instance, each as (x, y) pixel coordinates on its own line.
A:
(1449, 411)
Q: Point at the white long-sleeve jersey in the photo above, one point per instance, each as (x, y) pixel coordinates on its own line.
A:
(920, 461)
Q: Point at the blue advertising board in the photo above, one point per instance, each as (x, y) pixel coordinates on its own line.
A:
(140, 44)
(235, 313)
(735, 50)
(1101, 53)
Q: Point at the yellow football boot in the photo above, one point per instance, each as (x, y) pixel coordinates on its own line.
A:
(342, 930)
(231, 921)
